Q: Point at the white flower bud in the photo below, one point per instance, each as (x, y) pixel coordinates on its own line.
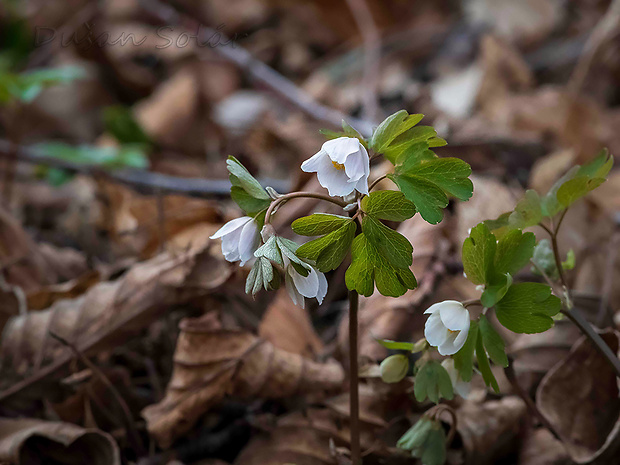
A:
(240, 239)
(394, 368)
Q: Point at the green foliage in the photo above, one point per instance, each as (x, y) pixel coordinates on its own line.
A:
(392, 245)
(427, 181)
(464, 358)
(492, 342)
(528, 211)
(262, 276)
(395, 345)
(528, 308)
(433, 382)
(478, 254)
(120, 122)
(496, 290)
(127, 156)
(514, 251)
(328, 251)
(483, 364)
(25, 87)
(425, 440)
(246, 191)
(369, 266)
(319, 224)
(388, 205)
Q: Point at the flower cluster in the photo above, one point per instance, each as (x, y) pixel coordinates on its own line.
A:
(342, 166)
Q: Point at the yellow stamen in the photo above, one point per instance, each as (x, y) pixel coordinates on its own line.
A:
(337, 165)
(452, 332)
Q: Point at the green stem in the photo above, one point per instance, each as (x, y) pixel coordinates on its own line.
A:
(294, 195)
(572, 313)
(354, 405)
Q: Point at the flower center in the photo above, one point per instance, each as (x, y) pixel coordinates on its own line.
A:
(452, 333)
(337, 165)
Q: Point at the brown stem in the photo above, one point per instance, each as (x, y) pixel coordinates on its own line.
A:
(377, 181)
(354, 405)
(294, 195)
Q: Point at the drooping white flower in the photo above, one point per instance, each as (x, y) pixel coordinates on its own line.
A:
(462, 388)
(240, 239)
(447, 326)
(342, 166)
(300, 286)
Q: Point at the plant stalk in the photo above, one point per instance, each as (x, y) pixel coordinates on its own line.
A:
(354, 405)
(294, 195)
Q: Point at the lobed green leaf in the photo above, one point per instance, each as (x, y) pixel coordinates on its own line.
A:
(388, 205)
(528, 308)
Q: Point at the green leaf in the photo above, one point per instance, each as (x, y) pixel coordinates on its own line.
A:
(483, 364)
(599, 167)
(569, 263)
(417, 135)
(434, 452)
(271, 251)
(450, 174)
(549, 203)
(347, 131)
(499, 226)
(427, 181)
(388, 205)
(496, 290)
(262, 275)
(464, 358)
(241, 177)
(415, 437)
(120, 122)
(392, 245)
(126, 156)
(393, 126)
(432, 381)
(528, 308)
(27, 86)
(246, 202)
(576, 188)
(479, 254)
(514, 251)
(319, 224)
(528, 211)
(395, 345)
(493, 342)
(427, 197)
(368, 265)
(329, 251)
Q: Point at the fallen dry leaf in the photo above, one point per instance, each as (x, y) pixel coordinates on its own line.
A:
(580, 398)
(288, 327)
(540, 447)
(211, 363)
(490, 430)
(37, 442)
(109, 312)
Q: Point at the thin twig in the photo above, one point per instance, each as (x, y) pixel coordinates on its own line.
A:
(377, 181)
(131, 427)
(139, 179)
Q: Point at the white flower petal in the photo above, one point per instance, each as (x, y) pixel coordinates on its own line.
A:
(460, 339)
(308, 286)
(448, 347)
(334, 180)
(454, 315)
(295, 296)
(433, 308)
(322, 287)
(434, 330)
(248, 241)
(339, 149)
(231, 226)
(362, 185)
(312, 164)
(357, 164)
(462, 388)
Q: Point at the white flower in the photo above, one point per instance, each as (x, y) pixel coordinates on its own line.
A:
(240, 239)
(342, 166)
(447, 327)
(300, 286)
(462, 388)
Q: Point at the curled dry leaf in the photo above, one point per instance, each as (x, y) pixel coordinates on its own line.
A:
(540, 447)
(109, 312)
(580, 398)
(37, 442)
(490, 430)
(211, 362)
